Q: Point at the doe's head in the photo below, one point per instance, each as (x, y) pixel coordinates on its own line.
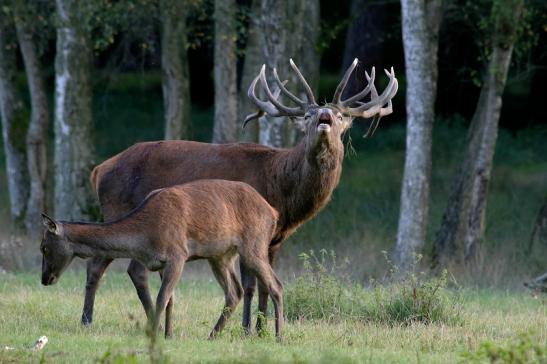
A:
(57, 252)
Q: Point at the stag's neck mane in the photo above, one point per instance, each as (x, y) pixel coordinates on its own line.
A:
(305, 181)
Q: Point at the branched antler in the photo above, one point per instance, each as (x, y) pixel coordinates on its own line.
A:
(378, 106)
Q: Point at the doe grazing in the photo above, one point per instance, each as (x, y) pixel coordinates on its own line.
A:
(205, 219)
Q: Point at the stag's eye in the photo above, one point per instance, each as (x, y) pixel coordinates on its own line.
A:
(339, 117)
(307, 117)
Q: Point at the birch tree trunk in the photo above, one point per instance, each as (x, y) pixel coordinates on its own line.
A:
(273, 132)
(14, 126)
(39, 119)
(225, 127)
(462, 227)
(421, 19)
(73, 122)
(251, 66)
(175, 71)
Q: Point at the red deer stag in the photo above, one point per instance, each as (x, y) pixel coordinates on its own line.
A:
(207, 219)
(297, 182)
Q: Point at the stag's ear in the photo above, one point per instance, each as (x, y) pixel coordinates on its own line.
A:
(300, 123)
(51, 225)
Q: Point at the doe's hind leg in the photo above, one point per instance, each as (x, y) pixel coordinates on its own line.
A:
(227, 278)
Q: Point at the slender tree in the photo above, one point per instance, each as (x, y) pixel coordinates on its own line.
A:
(175, 71)
(364, 39)
(39, 119)
(273, 34)
(14, 122)
(421, 19)
(251, 65)
(462, 227)
(73, 122)
(225, 127)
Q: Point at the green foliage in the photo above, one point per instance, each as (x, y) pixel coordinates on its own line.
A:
(526, 348)
(322, 293)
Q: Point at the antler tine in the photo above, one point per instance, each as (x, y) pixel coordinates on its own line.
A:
(286, 111)
(365, 91)
(262, 105)
(307, 88)
(342, 85)
(259, 113)
(286, 92)
(374, 106)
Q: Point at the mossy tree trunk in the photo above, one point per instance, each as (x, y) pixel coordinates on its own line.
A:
(14, 123)
(459, 237)
(73, 121)
(225, 72)
(39, 120)
(175, 71)
(421, 20)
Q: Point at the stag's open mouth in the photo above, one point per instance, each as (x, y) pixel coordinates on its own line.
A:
(324, 125)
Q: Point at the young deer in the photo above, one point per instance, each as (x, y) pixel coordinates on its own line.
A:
(206, 219)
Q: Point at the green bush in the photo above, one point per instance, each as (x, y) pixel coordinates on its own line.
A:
(323, 293)
(524, 349)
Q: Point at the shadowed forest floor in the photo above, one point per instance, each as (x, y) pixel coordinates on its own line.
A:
(30, 310)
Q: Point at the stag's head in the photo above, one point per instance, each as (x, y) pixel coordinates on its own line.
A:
(57, 252)
(324, 125)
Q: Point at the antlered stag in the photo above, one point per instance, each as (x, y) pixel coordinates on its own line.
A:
(206, 219)
(297, 182)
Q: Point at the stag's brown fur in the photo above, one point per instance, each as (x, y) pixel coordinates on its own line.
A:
(207, 219)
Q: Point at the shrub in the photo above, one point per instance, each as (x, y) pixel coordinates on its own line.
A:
(523, 349)
(322, 292)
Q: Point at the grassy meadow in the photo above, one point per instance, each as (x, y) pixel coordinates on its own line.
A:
(29, 310)
(348, 314)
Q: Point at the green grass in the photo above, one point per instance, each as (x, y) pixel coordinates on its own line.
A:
(29, 310)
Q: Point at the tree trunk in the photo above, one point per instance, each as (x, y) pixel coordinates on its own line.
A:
(37, 132)
(73, 121)
(462, 227)
(539, 233)
(225, 127)
(420, 40)
(175, 72)
(364, 40)
(14, 126)
(273, 132)
(251, 66)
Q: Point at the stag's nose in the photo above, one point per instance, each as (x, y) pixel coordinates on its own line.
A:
(325, 115)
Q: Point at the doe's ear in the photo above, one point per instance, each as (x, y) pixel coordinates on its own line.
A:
(50, 224)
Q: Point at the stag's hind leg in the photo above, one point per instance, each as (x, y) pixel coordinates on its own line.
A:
(227, 278)
(169, 314)
(95, 271)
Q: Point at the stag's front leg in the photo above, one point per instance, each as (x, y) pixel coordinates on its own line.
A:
(248, 280)
(171, 275)
(139, 276)
(95, 270)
